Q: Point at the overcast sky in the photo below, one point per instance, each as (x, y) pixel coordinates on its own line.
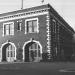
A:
(66, 8)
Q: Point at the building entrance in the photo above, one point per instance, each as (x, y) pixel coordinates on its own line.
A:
(8, 53)
(32, 52)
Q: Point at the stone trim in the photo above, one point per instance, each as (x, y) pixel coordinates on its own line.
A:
(24, 14)
(48, 35)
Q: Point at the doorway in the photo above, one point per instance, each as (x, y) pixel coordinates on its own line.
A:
(32, 52)
(8, 53)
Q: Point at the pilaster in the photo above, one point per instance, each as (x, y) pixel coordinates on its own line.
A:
(48, 35)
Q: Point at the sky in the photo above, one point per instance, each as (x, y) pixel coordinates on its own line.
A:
(66, 8)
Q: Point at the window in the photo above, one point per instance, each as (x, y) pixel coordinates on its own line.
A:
(54, 25)
(8, 28)
(31, 25)
(11, 26)
(19, 23)
(10, 51)
(36, 49)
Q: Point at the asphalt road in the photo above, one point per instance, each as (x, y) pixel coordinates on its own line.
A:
(57, 68)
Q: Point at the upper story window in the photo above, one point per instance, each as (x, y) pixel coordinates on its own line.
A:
(19, 23)
(54, 25)
(8, 28)
(31, 25)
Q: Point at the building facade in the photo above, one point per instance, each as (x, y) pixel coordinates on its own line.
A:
(33, 35)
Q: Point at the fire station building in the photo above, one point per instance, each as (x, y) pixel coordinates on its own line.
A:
(34, 34)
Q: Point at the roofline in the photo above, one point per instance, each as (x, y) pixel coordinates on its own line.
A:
(59, 17)
(25, 10)
(46, 6)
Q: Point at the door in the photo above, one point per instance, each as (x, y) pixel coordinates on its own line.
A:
(10, 53)
(32, 52)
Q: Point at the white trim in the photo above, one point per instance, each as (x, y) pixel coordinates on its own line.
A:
(31, 20)
(29, 42)
(24, 16)
(48, 35)
(5, 24)
(11, 44)
(31, 11)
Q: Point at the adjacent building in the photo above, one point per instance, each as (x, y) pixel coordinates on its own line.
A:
(35, 34)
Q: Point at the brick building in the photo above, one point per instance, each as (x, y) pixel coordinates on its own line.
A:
(34, 34)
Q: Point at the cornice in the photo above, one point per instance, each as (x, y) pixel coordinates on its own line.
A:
(23, 14)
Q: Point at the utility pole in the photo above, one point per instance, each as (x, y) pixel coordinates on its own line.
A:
(21, 4)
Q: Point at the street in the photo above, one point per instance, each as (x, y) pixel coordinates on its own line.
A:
(53, 68)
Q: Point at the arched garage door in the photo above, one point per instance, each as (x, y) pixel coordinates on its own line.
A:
(32, 52)
(8, 52)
